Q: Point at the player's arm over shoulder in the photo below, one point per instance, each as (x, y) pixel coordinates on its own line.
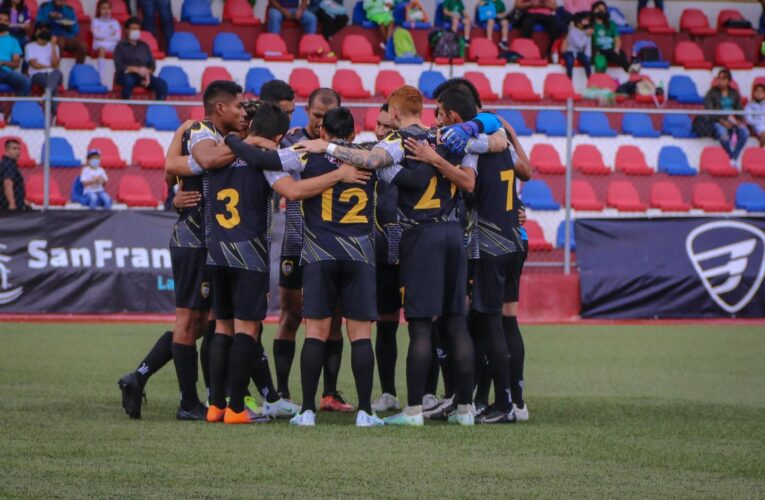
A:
(206, 148)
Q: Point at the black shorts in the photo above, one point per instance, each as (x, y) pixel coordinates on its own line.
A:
(347, 283)
(290, 273)
(239, 293)
(433, 270)
(495, 281)
(191, 276)
(388, 289)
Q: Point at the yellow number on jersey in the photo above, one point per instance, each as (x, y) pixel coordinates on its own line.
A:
(352, 217)
(428, 199)
(231, 197)
(509, 177)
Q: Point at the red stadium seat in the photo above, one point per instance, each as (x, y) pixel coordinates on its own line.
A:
(546, 160)
(690, 56)
(119, 117)
(24, 161)
(482, 85)
(602, 81)
(558, 87)
(485, 52)
(239, 13)
(304, 81)
(654, 21)
(33, 7)
(357, 49)
(148, 154)
(709, 197)
(588, 160)
(387, 81)
(197, 114)
(348, 84)
(730, 55)
(666, 196)
(583, 197)
(110, 155)
(695, 22)
(732, 14)
(212, 73)
(74, 116)
(271, 47)
(315, 48)
(35, 191)
(536, 236)
(517, 87)
(752, 162)
(134, 191)
(716, 162)
(370, 119)
(631, 161)
(82, 17)
(149, 40)
(623, 196)
(529, 52)
(119, 11)
(428, 117)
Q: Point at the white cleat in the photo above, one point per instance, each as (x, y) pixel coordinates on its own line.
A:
(404, 419)
(305, 419)
(386, 402)
(431, 405)
(466, 419)
(282, 408)
(521, 414)
(364, 419)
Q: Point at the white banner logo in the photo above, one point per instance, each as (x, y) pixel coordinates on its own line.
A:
(721, 268)
(6, 294)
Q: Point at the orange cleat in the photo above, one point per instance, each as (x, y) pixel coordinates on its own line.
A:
(335, 402)
(246, 416)
(215, 414)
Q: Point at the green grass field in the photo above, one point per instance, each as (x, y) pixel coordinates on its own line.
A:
(627, 411)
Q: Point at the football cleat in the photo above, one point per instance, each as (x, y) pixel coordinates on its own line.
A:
(435, 408)
(364, 419)
(215, 414)
(481, 408)
(335, 402)
(281, 408)
(494, 416)
(252, 404)
(132, 395)
(466, 419)
(404, 419)
(245, 416)
(199, 412)
(521, 414)
(386, 402)
(444, 411)
(305, 419)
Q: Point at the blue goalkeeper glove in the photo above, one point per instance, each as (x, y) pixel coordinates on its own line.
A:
(455, 137)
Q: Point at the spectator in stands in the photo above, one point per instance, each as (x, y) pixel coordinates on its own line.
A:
(730, 130)
(10, 59)
(606, 42)
(93, 178)
(13, 193)
(644, 3)
(539, 12)
(150, 9)
(578, 44)
(415, 13)
(20, 19)
(380, 12)
(757, 105)
(569, 9)
(106, 34)
(42, 55)
(331, 14)
(64, 26)
(496, 13)
(279, 93)
(134, 64)
(295, 10)
(454, 11)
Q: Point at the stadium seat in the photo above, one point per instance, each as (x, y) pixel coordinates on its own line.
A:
(185, 45)
(515, 119)
(678, 126)
(299, 117)
(560, 237)
(76, 195)
(623, 196)
(315, 48)
(35, 185)
(229, 46)
(271, 47)
(517, 87)
(595, 124)
(631, 161)
(732, 14)
(74, 116)
(537, 241)
(485, 52)
(239, 13)
(654, 21)
(84, 79)
(545, 159)
(119, 11)
(212, 73)
(583, 197)
(348, 84)
(753, 162)
(27, 114)
(730, 55)
(482, 85)
(359, 16)
(148, 38)
(134, 191)
(716, 162)
(750, 197)
(255, 79)
(672, 161)
(357, 49)
(148, 154)
(602, 81)
(558, 87)
(529, 52)
(370, 119)
(198, 12)
(588, 160)
(197, 113)
(24, 161)
(538, 196)
(399, 17)
(551, 123)
(304, 81)
(428, 82)
(110, 155)
(639, 45)
(429, 117)
(119, 117)
(683, 90)
(709, 197)
(387, 81)
(82, 17)
(639, 125)
(619, 19)
(177, 81)
(666, 196)
(162, 117)
(690, 56)
(390, 55)
(61, 154)
(695, 22)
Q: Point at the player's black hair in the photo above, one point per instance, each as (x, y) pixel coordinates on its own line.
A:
(461, 102)
(130, 21)
(462, 83)
(325, 96)
(269, 121)
(12, 140)
(276, 91)
(219, 89)
(384, 107)
(338, 123)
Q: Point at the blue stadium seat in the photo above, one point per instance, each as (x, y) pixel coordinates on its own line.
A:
(359, 16)
(560, 237)
(185, 45)
(229, 46)
(678, 126)
(5, 89)
(639, 125)
(162, 117)
(399, 17)
(641, 44)
(683, 90)
(595, 124)
(61, 154)
(538, 196)
(515, 119)
(299, 117)
(27, 114)
(429, 80)
(77, 196)
(672, 161)
(255, 79)
(617, 16)
(198, 12)
(390, 55)
(551, 123)
(85, 79)
(177, 81)
(750, 197)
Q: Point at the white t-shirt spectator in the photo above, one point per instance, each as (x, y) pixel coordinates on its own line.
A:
(106, 33)
(41, 54)
(90, 173)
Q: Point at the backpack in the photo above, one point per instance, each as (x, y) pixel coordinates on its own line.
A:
(403, 43)
(737, 23)
(446, 44)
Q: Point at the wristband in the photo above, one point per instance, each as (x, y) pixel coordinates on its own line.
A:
(331, 149)
(195, 168)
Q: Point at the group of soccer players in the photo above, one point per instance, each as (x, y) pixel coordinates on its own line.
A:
(427, 219)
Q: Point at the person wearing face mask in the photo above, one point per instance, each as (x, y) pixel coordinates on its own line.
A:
(606, 43)
(63, 24)
(134, 64)
(43, 57)
(10, 59)
(106, 34)
(93, 178)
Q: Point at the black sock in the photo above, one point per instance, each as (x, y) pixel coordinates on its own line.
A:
(240, 368)
(333, 355)
(363, 366)
(204, 354)
(220, 347)
(478, 333)
(311, 362)
(159, 356)
(517, 354)
(431, 381)
(444, 360)
(497, 355)
(284, 354)
(261, 373)
(418, 359)
(462, 357)
(185, 359)
(386, 350)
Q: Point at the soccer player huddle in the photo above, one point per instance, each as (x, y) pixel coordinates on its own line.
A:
(425, 219)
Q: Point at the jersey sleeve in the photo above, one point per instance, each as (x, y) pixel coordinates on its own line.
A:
(470, 161)
(393, 144)
(273, 176)
(200, 132)
(488, 122)
(292, 161)
(387, 174)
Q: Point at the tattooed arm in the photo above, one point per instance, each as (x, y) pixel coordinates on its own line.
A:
(375, 159)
